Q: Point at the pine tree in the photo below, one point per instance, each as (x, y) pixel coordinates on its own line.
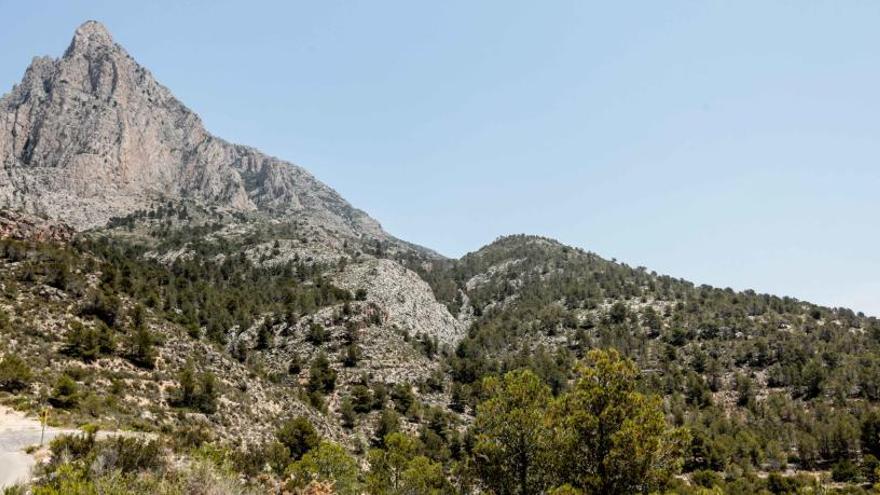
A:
(347, 414)
(322, 378)
(298, 436)
(512, 449)
(141, 348)
(186, 390)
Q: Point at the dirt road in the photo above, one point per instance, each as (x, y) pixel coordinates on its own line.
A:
(18, 432)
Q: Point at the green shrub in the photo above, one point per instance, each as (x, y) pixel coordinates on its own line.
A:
(362, 398)
(387, 422)
(197, 392)
(298, 435)
(129, 454)
(327, 462)
(347, 413)
(103, 306)
(322, 378)
(351, 355)
(295, 365)
(71, 447)
(844, 470)
(65, 393)
(15, 374)
(705, 478)
(317, 334)
(141, 351)
(89, 343)
(870, 468)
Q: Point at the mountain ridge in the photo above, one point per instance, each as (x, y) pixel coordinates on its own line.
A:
(92, 135)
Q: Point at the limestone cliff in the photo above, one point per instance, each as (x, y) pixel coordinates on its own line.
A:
(92, 135)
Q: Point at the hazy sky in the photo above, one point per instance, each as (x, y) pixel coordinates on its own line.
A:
(732, 143)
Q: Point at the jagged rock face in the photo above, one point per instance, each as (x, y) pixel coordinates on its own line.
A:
(92, 135)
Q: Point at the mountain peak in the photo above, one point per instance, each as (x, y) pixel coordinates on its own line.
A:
(93, 135)
(90, 34)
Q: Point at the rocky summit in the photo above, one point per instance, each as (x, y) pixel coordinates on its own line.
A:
(92, 135)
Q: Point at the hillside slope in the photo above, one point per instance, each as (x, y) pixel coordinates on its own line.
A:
(763, 382)
(229, 302)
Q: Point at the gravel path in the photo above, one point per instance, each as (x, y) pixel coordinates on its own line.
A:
(18, 432)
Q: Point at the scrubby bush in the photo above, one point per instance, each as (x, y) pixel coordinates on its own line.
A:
(141, 348)
(102, 305)
(351, 355)
(844, 470)
(89, 343)
(196, 391)
(322, 378)
(65, 393)
(15, 374)
(298, 436)
(317, 334)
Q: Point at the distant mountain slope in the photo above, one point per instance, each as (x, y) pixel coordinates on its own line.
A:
(92, 135)
(538, 285)
(761, 381)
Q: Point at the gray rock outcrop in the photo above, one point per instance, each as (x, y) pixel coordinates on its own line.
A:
(92, 135)
(407, 299)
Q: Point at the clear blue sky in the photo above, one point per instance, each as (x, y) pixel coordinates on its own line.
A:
(734, 143)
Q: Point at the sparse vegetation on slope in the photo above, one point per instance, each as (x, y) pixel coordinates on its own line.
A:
(764, 384)
(263, 335)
